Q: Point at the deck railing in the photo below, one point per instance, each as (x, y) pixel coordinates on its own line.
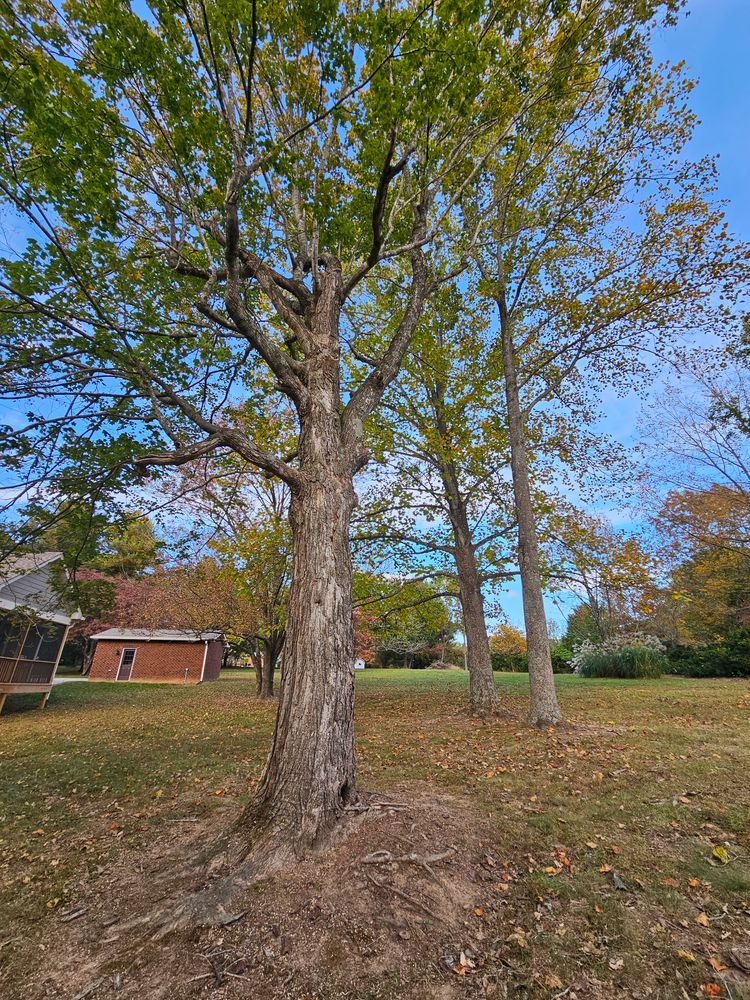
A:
(13, 671)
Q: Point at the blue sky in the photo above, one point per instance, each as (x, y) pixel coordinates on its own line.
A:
(713, 39)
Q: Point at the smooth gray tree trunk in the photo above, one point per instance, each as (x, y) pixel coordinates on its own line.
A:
(544, 710)
(482, 690)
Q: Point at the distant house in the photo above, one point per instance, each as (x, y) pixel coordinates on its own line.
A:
(33, 625)
(161, 656)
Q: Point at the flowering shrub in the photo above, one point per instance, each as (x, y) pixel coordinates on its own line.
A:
(626, 656)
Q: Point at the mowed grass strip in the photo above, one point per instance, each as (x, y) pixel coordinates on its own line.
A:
(647, 781)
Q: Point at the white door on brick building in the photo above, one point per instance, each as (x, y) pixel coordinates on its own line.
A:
(125, 668)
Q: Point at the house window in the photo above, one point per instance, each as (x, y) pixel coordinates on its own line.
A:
(126, 665)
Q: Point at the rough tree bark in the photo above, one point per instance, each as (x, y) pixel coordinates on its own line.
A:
(482, 691)
(544, 710)
(271, 649)
(310, 775)
(258, 657)
(311, 771)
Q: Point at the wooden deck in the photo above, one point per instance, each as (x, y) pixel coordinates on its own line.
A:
(19, 676)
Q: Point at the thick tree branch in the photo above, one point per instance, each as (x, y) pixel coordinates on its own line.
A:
(368, 394)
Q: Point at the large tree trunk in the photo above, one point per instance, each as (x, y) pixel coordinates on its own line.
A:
(266, 680)
(482, 691)
(89, 648)
(544, 710)
(310, 775)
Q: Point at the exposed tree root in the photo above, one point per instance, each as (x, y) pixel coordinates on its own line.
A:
(545, 722)
(235, 866)
(218, 904)
(492, 713)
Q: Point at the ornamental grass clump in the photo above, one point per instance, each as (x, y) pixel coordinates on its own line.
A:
(625, 656)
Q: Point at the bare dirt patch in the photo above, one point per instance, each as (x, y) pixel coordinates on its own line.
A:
(413, 902)
(396, 908)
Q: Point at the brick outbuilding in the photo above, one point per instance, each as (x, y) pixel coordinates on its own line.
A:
(163, 656)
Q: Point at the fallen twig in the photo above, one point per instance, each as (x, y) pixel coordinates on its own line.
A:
(386, 858)
(196, 979)
(366, 807)
(88, 990)
(403, 895)
(217, 974)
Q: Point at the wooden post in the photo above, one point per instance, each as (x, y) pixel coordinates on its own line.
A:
(3, 696)
(21, 644)
(43, 699)
(59, 652)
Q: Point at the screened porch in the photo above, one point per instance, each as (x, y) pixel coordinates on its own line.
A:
(29, 653)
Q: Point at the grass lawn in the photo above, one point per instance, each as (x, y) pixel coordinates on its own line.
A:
(592, 849)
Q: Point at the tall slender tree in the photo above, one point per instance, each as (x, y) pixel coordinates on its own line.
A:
(436, 503)
(605, 250)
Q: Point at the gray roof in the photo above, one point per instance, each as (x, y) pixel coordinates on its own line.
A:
(26, 583)
(14, 567)
(156, 635)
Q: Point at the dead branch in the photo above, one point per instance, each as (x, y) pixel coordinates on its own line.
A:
(386, 858)
(405, 896)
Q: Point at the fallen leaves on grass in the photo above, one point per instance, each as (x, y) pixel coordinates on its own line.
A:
(518, 937)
